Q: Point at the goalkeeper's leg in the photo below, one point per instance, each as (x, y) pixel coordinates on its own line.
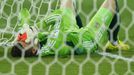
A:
(71, 4)
(95, 33)
(113, 31)
(100, 22)
(67, 4)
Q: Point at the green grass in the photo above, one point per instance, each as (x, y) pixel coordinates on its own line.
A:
(96, 63)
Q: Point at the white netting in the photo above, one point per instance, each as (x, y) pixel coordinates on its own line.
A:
(101, 63)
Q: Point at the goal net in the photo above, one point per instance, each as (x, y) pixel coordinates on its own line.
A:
(118, 62)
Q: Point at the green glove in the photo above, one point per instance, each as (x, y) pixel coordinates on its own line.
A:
(42, 36)
(24, 17)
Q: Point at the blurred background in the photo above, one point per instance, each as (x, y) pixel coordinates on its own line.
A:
(72, 65)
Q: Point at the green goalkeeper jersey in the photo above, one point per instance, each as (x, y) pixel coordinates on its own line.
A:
(60, 27)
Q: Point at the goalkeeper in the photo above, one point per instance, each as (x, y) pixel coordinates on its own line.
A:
(60, 34)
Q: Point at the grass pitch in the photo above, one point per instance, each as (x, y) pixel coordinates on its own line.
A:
(71, 65)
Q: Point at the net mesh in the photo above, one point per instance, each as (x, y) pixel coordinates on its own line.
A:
(101, 63)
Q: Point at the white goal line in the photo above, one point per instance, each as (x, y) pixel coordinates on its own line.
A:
(116, 56)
